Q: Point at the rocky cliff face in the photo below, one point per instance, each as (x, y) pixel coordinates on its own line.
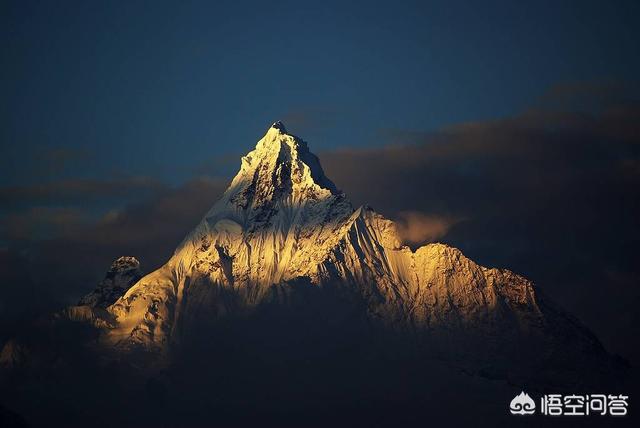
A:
(282, 226)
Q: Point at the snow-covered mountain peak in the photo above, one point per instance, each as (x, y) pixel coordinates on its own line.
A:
(278, 139)
(280, 191)
(279, 174)
(273, 134)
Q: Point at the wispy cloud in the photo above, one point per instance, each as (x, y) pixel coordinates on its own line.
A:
(417, 228)
(77, 190)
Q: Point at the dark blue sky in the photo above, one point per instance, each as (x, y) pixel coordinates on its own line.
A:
(108, 89)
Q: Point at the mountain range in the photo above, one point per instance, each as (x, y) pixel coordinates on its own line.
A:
(284, 274)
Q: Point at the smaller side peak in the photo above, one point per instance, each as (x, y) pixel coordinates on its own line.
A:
(279, 126)
(122, 275)
(124, 263)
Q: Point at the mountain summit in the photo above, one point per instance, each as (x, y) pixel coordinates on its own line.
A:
(279, 174)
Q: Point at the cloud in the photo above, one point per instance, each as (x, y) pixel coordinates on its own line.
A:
(160, 221)
(415, 227)
(41, 222)
(149, 229)
(77, 190)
